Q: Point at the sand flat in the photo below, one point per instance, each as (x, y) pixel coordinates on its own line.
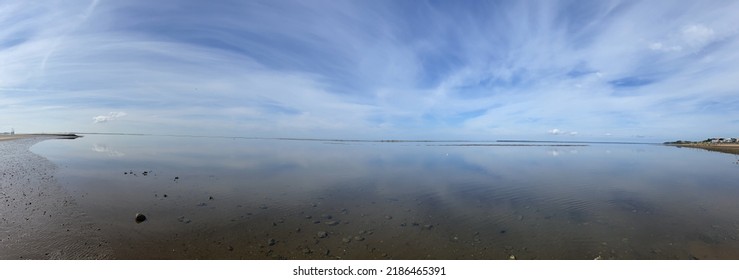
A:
(723, 148)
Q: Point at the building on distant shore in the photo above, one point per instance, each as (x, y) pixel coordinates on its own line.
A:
(722, 140)
(12, 131)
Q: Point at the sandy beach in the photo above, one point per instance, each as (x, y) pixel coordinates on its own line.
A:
(40, 220)
(723, 148)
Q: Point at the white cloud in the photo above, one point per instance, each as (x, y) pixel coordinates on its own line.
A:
(109, 117)
(697, 36)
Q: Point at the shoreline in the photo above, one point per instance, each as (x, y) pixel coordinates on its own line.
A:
(721, 148)
(6, 137)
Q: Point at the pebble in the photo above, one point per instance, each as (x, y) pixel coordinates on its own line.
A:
(322, 234)
(182, 219)
(428, 226)
(326, 216)
(309, 217)
(346, 239)
(306, 251)
(511, 257)
(358, 238)
(140, 218)
(388, 217)
(331, 223)
(210, 198)
(271, 242)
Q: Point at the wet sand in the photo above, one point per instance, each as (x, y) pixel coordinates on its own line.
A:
(723, 148)
(38, 219)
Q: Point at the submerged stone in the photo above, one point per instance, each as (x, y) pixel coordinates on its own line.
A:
(140, 218)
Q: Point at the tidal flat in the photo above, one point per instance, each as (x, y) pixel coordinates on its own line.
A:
(235, 198)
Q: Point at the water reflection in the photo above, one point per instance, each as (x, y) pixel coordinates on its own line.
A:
(226, 198)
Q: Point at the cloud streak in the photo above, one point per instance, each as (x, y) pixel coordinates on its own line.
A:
(109, 117)
(379, 69)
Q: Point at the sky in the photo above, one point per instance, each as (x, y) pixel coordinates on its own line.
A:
(477, 70)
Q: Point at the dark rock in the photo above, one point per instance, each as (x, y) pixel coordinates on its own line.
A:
(503, 231)
(271, 242)
(309, 217)
(210, 198)
(316, 222)
(176, 178)
(326, 216)
(331, 223)
(322, 234)
(358, 238)
(388, 217)
(165, 195)
(140, 218)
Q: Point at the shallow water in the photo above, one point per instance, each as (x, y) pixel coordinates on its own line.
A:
(223, 198)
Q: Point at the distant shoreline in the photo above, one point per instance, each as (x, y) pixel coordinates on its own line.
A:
(5, 137)
(721, 147)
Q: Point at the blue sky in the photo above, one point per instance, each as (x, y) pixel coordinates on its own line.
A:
(558, 70)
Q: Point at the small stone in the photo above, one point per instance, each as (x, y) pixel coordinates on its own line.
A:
(308, 217)
(428, 226)
(165, 195)
(297, 230)
(230, 248)
(520, 218)
(346, 239)
(176, 178)
(306, 251)
(316, 222)
(512, 257)
(263, 207)
(326, 216)
(322, 234)
(202, 204)
(210, 198)
(331, 223)
(388, 217)
(140, 218)
(271, 242)
(598, 258)
(358, 238)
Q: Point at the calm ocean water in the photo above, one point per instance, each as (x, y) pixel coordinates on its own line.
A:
(222, 198)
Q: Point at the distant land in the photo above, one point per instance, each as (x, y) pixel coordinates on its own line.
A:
(728, 145)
